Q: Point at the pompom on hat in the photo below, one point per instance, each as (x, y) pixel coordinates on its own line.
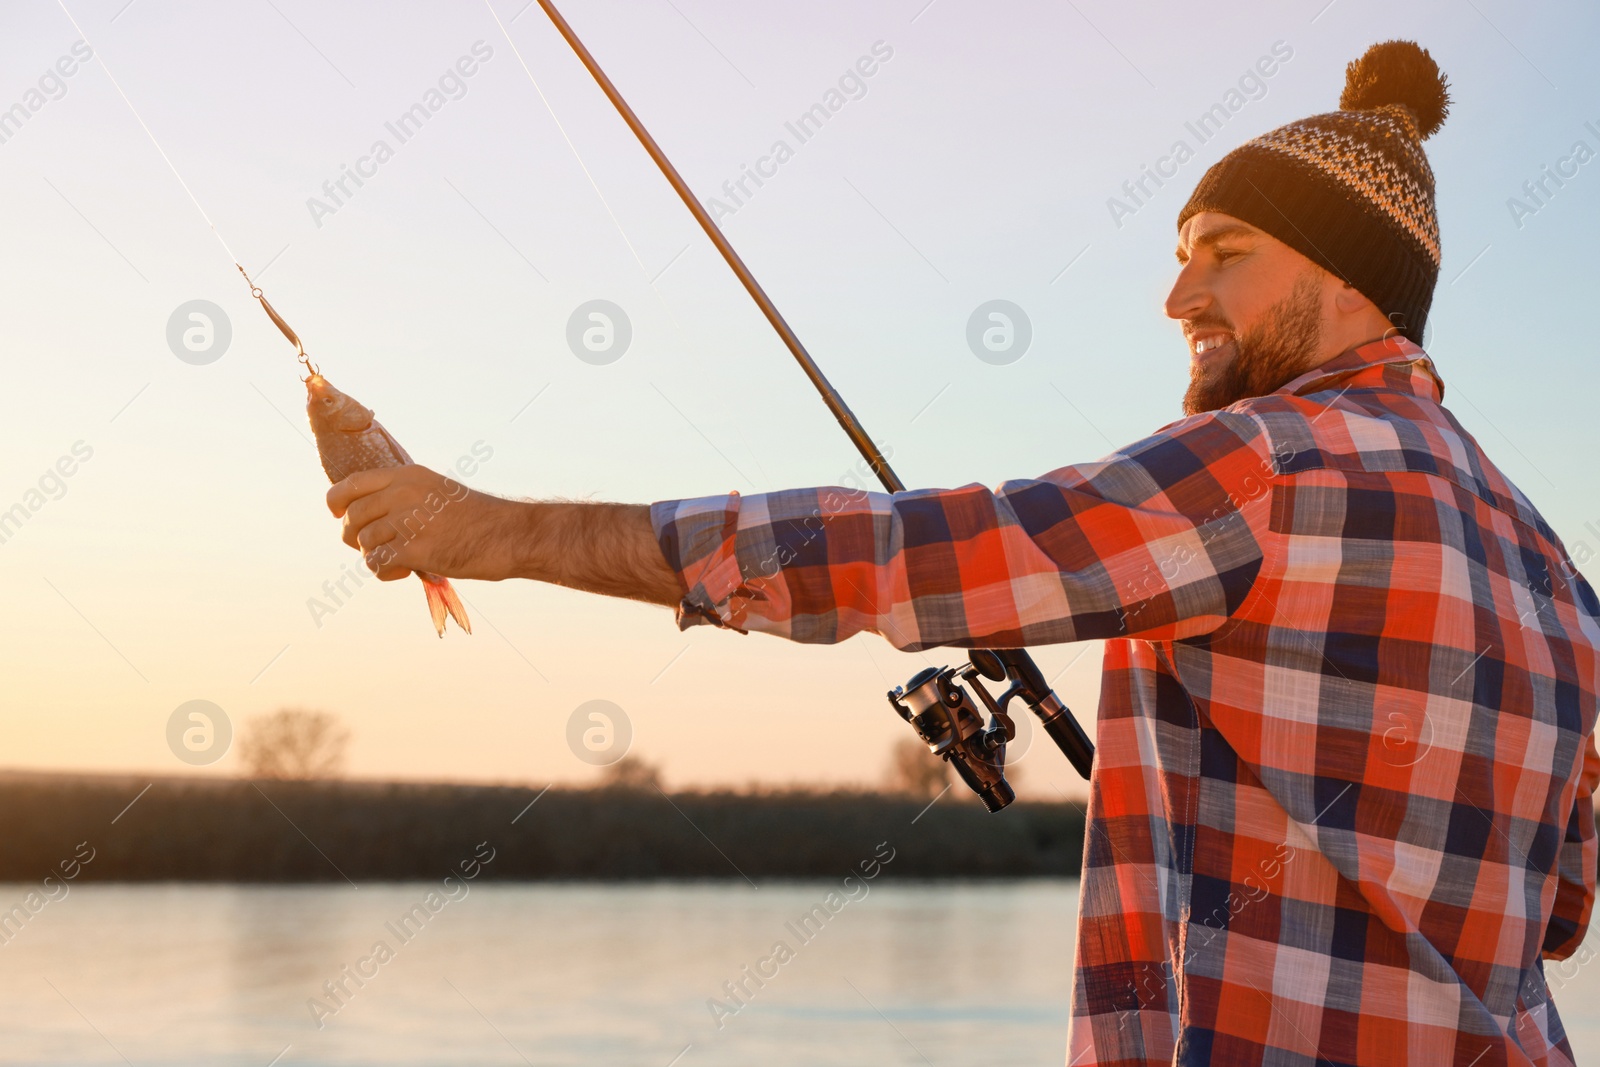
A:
(1351, 190)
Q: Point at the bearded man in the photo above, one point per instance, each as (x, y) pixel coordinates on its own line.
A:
(1341, 809)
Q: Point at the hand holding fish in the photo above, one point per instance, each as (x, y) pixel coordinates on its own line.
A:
(351, 443)
(410, 519)
(407, 519)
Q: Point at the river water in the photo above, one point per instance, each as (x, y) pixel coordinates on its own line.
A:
(614, 975)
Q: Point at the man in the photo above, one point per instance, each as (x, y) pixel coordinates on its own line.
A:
(1342, 805)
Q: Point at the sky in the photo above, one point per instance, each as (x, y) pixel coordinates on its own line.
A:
(984, 158)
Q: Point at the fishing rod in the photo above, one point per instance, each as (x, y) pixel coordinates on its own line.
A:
(933, 702)
(936, 705)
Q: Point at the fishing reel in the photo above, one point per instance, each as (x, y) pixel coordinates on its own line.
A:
(941, 711)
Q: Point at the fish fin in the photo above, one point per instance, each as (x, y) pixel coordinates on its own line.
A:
(399, 450)
(453, 604)
(442, 601)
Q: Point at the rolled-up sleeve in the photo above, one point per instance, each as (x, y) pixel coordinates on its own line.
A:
(1160, 540)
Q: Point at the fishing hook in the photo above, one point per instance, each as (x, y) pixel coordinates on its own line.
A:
(288, 331)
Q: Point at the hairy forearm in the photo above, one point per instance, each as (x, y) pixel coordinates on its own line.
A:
(609, 549)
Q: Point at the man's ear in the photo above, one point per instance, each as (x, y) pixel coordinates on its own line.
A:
(1349, 300)
(1359, 316)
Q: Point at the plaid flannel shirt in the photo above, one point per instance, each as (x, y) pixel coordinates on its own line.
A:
(1341, 809)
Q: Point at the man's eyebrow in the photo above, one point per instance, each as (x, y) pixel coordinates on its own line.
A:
(1211, 237)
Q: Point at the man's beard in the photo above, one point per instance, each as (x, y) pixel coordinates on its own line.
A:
(1281, 348)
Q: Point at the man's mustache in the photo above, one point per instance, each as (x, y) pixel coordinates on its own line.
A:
(1212, 322)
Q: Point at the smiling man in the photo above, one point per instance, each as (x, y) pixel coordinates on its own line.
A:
(1341, 809)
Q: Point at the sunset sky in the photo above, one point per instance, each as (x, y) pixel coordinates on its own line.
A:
(995, 152)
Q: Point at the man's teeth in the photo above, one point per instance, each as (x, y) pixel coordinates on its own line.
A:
(1206, 344)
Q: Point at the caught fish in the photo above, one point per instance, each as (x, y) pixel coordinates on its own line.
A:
(349, 439)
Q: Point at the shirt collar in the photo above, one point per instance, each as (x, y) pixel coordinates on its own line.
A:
(1395, 362)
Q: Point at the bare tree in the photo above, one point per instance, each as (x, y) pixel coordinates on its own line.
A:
(294, 743)
(631, 773)
(915, 770)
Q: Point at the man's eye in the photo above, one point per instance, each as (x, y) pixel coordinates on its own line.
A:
(1225, 254)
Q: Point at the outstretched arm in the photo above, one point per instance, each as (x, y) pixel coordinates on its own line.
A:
(1158, 540)
(407, 519)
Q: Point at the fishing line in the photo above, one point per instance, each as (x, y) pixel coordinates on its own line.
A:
(978, 766)
(255, 290)
(504, 32)
(574, 148)
(140, 120)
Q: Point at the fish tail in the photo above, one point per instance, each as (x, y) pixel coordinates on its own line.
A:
(442, 600)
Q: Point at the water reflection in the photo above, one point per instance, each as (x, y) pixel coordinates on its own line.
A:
(568, 974)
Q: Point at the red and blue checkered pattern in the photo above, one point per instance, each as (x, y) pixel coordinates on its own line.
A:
(1342, 808)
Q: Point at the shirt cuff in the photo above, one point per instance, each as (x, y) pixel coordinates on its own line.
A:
(699, 540)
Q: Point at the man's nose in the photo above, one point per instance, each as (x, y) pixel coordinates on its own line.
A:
(1188, 296)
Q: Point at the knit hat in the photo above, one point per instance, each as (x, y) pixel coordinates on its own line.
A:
(1351, 190)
